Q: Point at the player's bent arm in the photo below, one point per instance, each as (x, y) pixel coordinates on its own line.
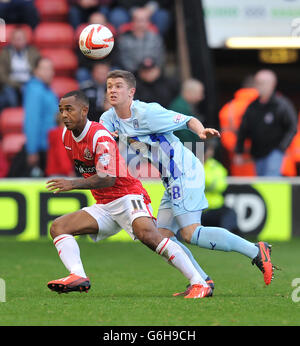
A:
(92, 182)
(197, 127)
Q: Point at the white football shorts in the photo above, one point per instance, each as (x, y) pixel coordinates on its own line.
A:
(117, 215)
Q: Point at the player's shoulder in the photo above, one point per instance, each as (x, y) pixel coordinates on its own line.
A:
(145, 105)
(100, 134)
(147, 108)
(99, 130)
(108, 114)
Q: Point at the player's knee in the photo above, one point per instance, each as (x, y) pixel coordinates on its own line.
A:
(149, 236)
(143, 234)
(166, 233)
(185, 235)
(57, 228)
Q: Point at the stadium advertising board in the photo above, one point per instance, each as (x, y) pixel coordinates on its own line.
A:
(265, 209)
(254, 18)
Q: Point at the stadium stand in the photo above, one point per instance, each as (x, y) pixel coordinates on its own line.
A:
(11, 131)
(62, 85)
(12, 144)
(52, 11)
(27, 29)
(64, 60)
(54, 35)
(11, 120)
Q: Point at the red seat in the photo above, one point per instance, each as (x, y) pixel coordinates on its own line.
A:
(11, 120)
(53, 10)
(62, 85)
(12, 144)
(54, 35)
(9, 29)
(64, 60)
(128, 27)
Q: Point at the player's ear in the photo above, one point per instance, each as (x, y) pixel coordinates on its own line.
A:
(85, 110)
(132, 92)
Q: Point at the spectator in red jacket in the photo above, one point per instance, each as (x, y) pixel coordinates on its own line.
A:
(58, 162)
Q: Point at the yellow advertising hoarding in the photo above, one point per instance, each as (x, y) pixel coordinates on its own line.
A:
(264, 209)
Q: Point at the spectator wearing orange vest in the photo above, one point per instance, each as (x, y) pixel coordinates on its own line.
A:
(230, 117)
(291, 161)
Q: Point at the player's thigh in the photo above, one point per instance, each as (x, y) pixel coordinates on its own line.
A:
(77, 223)
(177, 219)
(166, 222)
(129, 208)
(188, 222)
(106, 225)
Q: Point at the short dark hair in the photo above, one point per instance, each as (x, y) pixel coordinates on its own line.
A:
(126, 75)
(39, 60)
(79, 95)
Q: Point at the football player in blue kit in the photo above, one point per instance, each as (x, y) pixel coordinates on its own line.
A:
(148, 129)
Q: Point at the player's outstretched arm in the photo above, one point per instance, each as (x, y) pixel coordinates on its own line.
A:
(93, 182)
(204, 133)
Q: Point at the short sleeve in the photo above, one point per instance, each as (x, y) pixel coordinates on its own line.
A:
(106, 158)
(106, 120)
(162, 120)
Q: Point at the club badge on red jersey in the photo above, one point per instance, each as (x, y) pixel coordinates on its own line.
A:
(87, 154)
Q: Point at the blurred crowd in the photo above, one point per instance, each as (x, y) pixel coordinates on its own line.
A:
(41, 61)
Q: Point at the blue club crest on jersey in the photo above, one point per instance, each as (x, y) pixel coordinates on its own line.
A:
(135, 123)
(116, 124)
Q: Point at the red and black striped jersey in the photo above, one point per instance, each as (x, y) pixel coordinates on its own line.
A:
(95, 151)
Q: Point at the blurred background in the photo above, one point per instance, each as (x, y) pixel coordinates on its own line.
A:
(232, 64)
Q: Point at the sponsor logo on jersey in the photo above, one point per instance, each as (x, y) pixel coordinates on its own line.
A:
(82, 167)
(104, 159)
(179, 118)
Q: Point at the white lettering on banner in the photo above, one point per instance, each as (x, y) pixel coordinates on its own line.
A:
(242, 203)
(2, 291)
(295, 27)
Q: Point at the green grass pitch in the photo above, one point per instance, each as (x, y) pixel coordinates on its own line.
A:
(131, 286)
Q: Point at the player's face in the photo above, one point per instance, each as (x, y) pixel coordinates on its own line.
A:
(73, 113)
(119, 92)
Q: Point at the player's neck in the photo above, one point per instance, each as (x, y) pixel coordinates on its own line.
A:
(123, 111)
(78, 131)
